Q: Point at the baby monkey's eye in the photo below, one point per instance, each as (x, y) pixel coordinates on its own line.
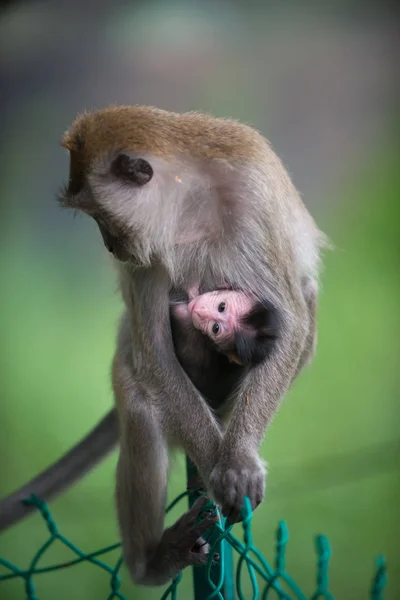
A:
(221, 306)
(215, 328)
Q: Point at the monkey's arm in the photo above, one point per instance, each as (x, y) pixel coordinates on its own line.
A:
(239, 470)
(187, 418)
(63, 473)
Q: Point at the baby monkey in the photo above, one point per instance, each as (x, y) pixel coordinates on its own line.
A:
(218, 336)
(239, 325)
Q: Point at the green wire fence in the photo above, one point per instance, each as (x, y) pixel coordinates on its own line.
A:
(217, 580)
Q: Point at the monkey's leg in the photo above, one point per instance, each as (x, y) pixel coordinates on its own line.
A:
(153, 556)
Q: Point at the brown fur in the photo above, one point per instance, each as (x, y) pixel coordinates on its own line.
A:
(162, 133)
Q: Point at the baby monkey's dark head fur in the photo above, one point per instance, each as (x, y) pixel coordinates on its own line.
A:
(255, 339)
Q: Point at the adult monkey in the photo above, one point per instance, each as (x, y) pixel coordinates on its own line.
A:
(181, 199)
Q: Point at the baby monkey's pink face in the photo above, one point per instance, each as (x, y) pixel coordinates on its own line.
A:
(217, 314)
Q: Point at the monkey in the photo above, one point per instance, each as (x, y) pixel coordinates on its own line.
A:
(178, 199)
(218, 336)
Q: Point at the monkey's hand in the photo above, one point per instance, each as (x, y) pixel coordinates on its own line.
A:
(235, 477)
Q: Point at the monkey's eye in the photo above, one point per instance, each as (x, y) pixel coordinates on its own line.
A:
(221, 307)
(137, 170)
(215, 328)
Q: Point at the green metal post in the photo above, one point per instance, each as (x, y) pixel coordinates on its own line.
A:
(202, 587)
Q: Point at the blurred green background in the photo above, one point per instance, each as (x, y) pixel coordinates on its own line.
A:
(320, 82)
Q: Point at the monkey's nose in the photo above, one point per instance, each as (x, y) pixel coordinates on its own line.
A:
(199, 319)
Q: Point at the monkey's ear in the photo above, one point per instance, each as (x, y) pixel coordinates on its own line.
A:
(137, 170)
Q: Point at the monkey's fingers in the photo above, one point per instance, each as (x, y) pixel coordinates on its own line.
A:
(202, 559)
(197, 509)
(198, 559)
(205, 524)
(201, 546)
(233, 515)
(231, 508)
(202, 509)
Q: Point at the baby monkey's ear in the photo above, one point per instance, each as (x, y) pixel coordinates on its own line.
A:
(233, 357)
(136, 170)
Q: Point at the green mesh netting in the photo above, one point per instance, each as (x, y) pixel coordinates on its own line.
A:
(267, 580)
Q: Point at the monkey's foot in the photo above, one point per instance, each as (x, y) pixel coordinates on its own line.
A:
(182, 544)
(203, 547)
(232, 480)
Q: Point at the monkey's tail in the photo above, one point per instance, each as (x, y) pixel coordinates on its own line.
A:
(63, 473)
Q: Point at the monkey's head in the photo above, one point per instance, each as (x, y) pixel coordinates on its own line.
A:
(147, 177)
(241, 327)
(107, 175)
